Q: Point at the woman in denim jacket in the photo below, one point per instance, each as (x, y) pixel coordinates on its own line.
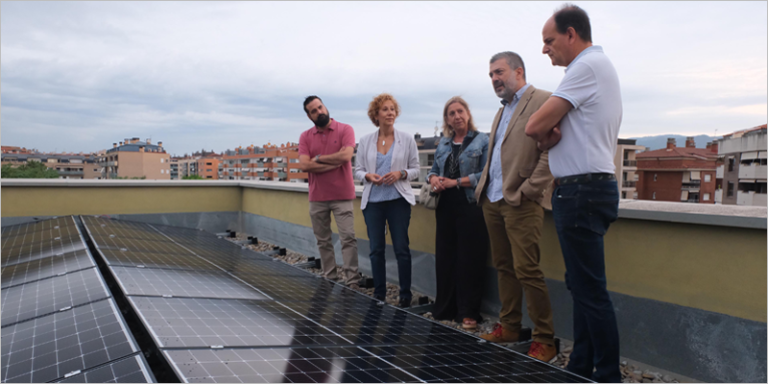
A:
(462, 239)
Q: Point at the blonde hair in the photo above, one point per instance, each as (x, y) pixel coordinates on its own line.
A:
(375, 106)
(447, 129)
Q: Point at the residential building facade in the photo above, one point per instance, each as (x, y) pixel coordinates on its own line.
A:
(626, 167)
(743, 167)
(269, 162)
(678, 174)
(133, 158)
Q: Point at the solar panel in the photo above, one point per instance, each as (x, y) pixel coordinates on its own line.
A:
(25, 249)
(258, 320)
(103, 227)
(138, 245)
(168, 282)
(284, 365)
(381, 364)
(365, 322)
(128, 370)
(45, 225)
(50, 347)
(46, 296)
(187, 323)
(115, 257)
(47, 267)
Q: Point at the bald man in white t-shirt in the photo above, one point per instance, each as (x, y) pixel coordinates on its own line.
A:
(579, 125)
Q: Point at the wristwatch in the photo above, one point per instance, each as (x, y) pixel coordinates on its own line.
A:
(317, 158)
(403, 174)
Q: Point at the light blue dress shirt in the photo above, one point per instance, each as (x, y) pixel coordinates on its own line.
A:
(494, 186)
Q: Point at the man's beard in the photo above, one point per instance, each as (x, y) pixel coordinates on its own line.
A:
(322, 120)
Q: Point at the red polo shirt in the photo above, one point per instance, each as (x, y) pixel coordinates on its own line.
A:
(336, 184)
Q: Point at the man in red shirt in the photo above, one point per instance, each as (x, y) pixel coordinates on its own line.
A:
(325, 153)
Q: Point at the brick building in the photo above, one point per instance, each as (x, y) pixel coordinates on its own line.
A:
(679, 174)
(269, 162)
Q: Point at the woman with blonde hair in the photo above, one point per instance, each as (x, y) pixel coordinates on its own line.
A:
(461, 241)
(386, 160)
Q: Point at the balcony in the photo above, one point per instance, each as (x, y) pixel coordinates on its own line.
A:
(630, 163)
(701, 268)
(629, 184)
(751, 198)
(71, 173)
(720, 172)
(753, 171)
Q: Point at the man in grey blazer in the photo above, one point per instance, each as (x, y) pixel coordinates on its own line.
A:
(513, 191)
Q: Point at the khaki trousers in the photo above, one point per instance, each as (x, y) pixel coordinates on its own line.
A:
(514, 233)
(320, 214)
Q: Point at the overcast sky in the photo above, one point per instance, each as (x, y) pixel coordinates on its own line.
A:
(78, 76)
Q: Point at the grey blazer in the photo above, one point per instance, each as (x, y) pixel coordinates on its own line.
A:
(405, 157)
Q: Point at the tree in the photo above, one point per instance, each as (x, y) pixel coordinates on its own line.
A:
(29, 170)
(192, 177)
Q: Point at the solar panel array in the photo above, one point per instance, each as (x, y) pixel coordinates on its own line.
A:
(59, 321)
(221, 313)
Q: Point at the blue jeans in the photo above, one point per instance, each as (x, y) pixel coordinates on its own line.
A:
(398, 214)
(582, 214)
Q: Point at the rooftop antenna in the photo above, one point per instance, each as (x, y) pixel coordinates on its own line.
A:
(436, 129)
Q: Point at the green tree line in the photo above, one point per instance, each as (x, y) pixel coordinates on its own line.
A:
(30, 170)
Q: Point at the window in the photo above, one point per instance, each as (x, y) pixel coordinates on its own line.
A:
(730, 164)
(730, 189)
(654, 196)
(654, 176)
(162, 160)
(430, 159)
(707, 179)
(706, 197)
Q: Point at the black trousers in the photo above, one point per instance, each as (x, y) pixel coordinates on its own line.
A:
(461, 250)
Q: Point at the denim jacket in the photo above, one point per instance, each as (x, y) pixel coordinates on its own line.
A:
(472, 160)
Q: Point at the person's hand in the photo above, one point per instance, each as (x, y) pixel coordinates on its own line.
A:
(448, 183)
(437, 187)
(373, 178)
(552, 138)
(391, 177)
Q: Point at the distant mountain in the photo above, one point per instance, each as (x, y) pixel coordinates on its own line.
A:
(660, 141)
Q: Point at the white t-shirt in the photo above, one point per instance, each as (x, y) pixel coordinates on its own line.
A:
(590, 130)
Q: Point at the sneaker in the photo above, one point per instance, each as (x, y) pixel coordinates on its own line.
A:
(544, 352)
(501, 335)
(469, 323)
(379, 298)
(404, 303)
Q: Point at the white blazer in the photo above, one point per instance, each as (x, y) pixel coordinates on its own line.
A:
(405, 157)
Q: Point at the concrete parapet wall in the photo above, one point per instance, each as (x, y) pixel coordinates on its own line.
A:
(688, 283)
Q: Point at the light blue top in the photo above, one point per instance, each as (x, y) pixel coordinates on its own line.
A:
(384, 192)
(494, 186)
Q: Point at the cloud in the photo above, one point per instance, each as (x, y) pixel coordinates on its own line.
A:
(222, 74)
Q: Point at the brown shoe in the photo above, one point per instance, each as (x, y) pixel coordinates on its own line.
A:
(544, 352)
(501, 335)
(469, 323)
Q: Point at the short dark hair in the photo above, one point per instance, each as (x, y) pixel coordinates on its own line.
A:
(308, 100)
(570, 15)
(513, 60)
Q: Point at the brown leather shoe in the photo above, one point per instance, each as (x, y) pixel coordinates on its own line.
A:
(501, 335)
(544, 352)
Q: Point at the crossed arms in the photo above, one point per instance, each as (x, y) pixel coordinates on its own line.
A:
(544, 125)
(327, 162)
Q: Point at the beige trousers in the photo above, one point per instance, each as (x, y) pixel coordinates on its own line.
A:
(320, 214)
(514, 233)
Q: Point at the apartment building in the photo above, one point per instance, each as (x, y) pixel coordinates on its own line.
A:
(68, 165)
(680, 174)
(134, 158)
(208, 168)
(268, 162)
(743, 168)
(625, 161)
